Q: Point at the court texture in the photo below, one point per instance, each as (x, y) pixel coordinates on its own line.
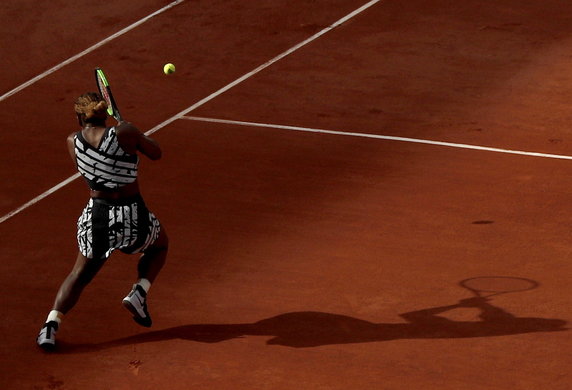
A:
(331, 170)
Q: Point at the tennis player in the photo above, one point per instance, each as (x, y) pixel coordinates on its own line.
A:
(115, 216)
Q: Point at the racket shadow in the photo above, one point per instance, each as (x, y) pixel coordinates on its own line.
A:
(313, 329)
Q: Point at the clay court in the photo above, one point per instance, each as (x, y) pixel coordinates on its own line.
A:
(331, 171)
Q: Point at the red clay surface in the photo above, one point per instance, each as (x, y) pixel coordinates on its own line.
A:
(294, 254)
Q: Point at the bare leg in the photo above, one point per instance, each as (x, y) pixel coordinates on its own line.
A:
(70, 290)
(82, 273)
(149, 266)
(153, 258)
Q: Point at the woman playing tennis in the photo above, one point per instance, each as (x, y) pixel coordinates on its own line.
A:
(115, 216)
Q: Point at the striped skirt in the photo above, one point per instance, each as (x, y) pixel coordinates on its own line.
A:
(106, 225)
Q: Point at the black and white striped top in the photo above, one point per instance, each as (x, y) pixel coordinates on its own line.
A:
(106, 167)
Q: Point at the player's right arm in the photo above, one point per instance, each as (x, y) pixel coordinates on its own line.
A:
(71, 147)
(132, 140)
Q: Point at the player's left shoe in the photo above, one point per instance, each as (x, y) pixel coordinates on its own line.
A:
(136, 303)
(47, 337)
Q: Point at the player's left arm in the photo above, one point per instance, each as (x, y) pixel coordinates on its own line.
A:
(132, 140)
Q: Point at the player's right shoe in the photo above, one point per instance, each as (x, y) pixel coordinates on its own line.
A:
(136, 303)
(47, 337)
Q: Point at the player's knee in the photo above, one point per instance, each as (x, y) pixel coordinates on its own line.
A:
(158, 249)
(83, 276)
(162, 242)
(165, 243)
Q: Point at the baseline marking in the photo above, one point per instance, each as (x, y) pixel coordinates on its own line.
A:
(185, 111)
(376, 136)
(89, 50)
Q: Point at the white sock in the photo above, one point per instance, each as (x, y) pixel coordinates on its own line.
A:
(55, 316)
(145, 284)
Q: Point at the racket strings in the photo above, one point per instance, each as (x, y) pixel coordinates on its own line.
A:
(102, 85)
(103, 90)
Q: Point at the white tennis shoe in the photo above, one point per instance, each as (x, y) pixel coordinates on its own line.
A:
(136, 303)
(47, 337)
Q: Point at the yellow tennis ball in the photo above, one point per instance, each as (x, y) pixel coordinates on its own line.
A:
(169, 68)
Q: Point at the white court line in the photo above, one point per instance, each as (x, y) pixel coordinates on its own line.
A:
(203, 101)
(89, 50)
(39, 197)
(376, 136)
(262, 67)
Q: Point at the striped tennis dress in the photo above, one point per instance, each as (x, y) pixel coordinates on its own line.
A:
(108, 224)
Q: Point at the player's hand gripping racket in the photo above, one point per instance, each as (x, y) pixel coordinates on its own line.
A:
(105, 91)
(489, 286)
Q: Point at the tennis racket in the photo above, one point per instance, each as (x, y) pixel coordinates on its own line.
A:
(105, 91)
(488, 286)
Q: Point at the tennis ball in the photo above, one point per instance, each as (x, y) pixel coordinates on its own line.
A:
(169, 68)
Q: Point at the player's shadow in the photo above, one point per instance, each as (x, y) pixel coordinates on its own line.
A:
(312, 329)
